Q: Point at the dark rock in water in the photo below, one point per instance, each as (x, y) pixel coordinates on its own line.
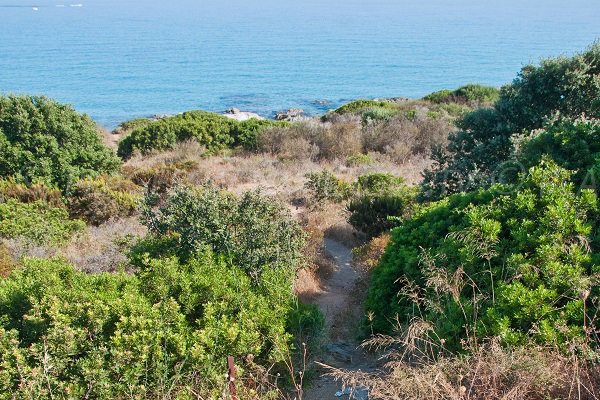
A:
(293, 114)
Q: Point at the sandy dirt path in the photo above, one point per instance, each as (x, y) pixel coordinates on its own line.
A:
(342, 310)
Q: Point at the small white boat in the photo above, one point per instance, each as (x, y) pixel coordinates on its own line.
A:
(35, 8)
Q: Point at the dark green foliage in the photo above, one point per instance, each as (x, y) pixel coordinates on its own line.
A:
(327, 187)
(476, 156)
(98, 200)
(255, 231)
(214, 131)
(37, 222)
(42, 141)
(380, 202)
(508, 262)
(471, 94)
(67, 334)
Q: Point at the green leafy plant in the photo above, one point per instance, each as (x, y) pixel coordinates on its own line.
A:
(509, 262)
(42, 141)
(477, 155)
(38, 222)
(379, 203)
(255, 231)
(327, 187)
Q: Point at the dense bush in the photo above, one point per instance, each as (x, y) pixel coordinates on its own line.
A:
(358, 106)
(326, 186)
(101, 199)
(476, 156)
(214, 131)
(379, 203)
(255, 231)
(513, 262)
(572, 144)
(209, 129)
(42, 141)
(470, 94)
(164, 333)
(37, 222)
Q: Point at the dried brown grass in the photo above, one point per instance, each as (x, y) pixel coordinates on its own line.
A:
(490, 372)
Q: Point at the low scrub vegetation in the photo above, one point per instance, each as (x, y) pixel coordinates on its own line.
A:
(213, 131)
(38, 222)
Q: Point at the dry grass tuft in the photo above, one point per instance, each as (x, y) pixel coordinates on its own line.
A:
(489, 372)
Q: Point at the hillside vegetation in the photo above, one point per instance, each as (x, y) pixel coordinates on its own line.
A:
(134, 272)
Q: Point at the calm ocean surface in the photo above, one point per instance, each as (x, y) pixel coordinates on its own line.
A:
(117, 59)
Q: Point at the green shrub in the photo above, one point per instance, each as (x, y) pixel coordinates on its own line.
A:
(255, 231)
(167, 330)
(127, 127)
(476, 156)
(358, 160)
(358, 106)
(42, 141)
(471, 93)
(327, 187)
(509, 262)
(572, 144)
(38, 222)
(380, 202)
(215, 132)
(441, 96)
(378, 113)
(98, 200)
(246, 133)
(208, 129)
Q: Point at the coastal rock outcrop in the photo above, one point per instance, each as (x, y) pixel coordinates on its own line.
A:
(238, 115)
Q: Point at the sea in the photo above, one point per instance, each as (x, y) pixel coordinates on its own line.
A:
(120, 59)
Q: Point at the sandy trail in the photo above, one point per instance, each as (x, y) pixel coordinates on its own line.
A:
(339, 304)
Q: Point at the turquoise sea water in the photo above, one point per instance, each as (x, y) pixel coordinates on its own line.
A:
(117, 59)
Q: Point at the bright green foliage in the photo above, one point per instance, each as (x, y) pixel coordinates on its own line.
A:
(165, 332)
(508, 262)
(380, 202)
(572, 144)
(214, 131)
(327, 187)
(471, 93)
(255, 231)
(476, 155)
(358, 106)
(42, 141)
(38, 222)
(100, 199)
(209, 129)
